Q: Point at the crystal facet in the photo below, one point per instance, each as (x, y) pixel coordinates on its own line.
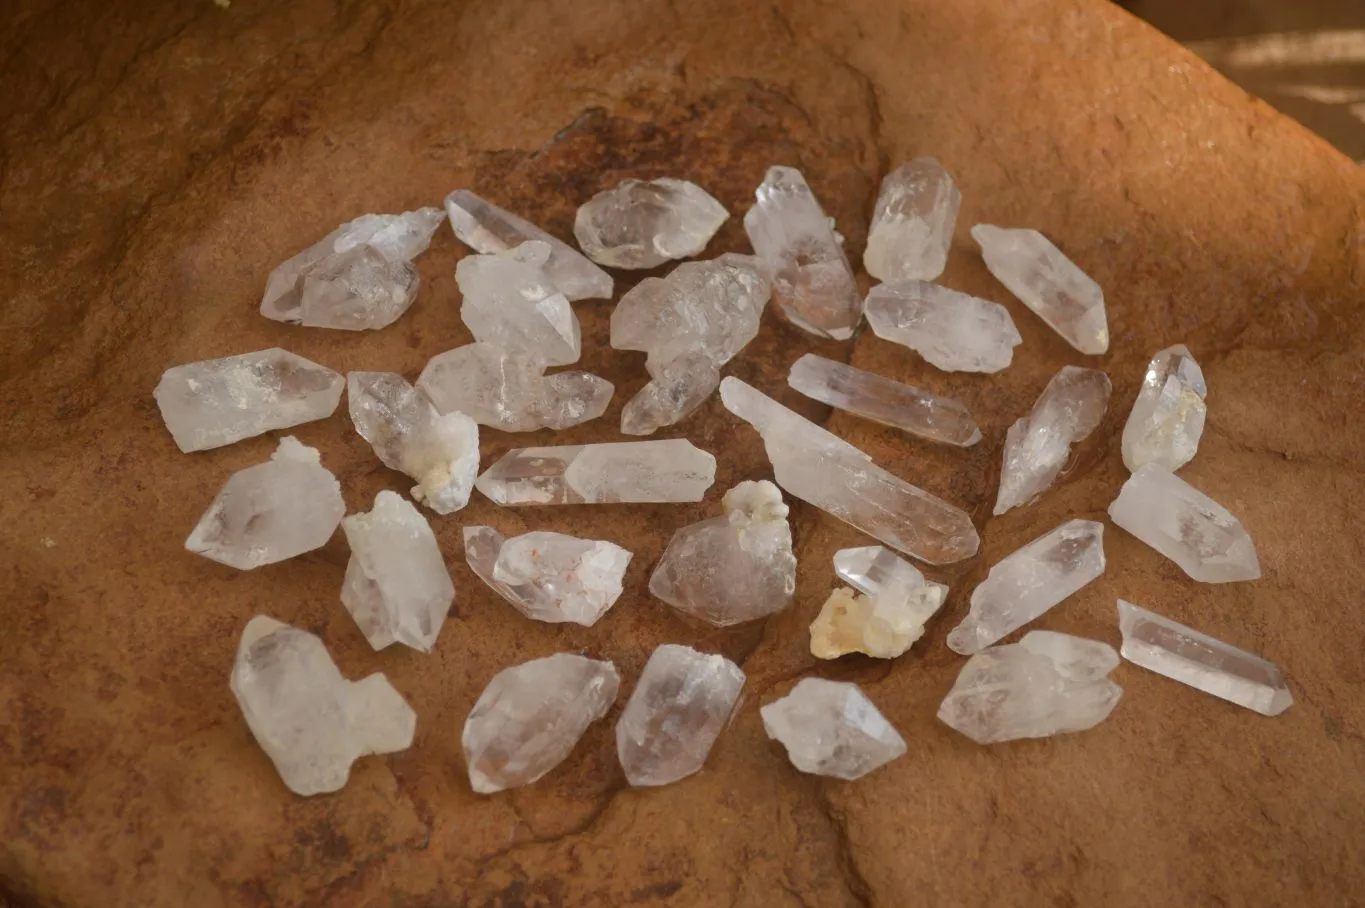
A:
(547, 576)
(887, 618)
(510, 302)
(628, 472)
(644, 223)
(674, 391)
(830, 728)
(951, 330)
(1168, 417)
(912, 225)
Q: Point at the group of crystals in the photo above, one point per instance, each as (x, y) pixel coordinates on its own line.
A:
(517, 291)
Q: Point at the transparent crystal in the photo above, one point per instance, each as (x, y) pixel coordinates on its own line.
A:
(912, 225)
(547, 576)
(674, 391)
(830, 728)
(1168, 417)
(510, 302)
(951, 330)
(868, 568)
(644, 223)
(630, 472)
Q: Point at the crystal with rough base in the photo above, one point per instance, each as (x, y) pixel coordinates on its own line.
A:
(887, 618)
(510, 302)
(548, 576)
(912, 225)
(628, 472)
(951, 330)
(830, 728)
(644, 223)
(1168, 416)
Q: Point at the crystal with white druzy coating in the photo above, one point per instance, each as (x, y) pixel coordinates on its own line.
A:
(735, 568)
(830, 728)
(912, 225)
(1037, 445)
(1049, 283)
(530, 716)
(1028, 582)
(887, 614)
(803, 255)
(679, 707)
(548, 576)
(953, 331)
(215, 402)
(510, 302)
(828, 472)
(1186, 526)
(272, 511)
(1167, 418)
(626, 472)
(644, 223)
(489, 229)
(310, 721)
(1203, 662)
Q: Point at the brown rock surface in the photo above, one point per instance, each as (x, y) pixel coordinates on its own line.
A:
(160, 159)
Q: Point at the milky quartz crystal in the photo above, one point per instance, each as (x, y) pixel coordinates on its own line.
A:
(644, 223)
(1167, 418)
(953, 331)
(272, 511)
(735, 568)
(830, 728)
(548, 576)
(510, 302)
(310, 721)
(1037, 445)
(628, 472)
(885, 613)
(912, 225)
(215, 402)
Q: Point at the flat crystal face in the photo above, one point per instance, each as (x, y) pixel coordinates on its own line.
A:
(912, 224)
(830, 728)
(511, 303)
(1167, 419)
(643, 224)
(951, 330)
(556, 578)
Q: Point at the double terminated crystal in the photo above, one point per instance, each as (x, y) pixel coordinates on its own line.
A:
(830, 728)
(1167, 419)
(641, 224)
(912, 225)
(951, 330)
(548, 576)
(634, 472)
(887, 613)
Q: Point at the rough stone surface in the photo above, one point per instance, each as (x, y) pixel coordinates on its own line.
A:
(645, 223)
(1167, 418)
(912, 225)
(830, 728)
(954, 331)
(548, 576)
(627, 472)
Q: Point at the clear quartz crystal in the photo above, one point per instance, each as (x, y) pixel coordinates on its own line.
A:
(548, 576)
(887, 618)
(510, 302)
(830, 728)
(1167, 418)
(951, 330)
(675, 390)
(645, 223)
(912, 225)
(869, 568)
(630, 472)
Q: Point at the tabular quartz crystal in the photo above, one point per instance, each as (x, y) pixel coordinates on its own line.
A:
(803, 256)
(510, 302)
(272, 511)
(644, 223)
(215, 402)
(680, 705)
(1049, 283)
(735, 568)
(397, 587)
(1167, 418)
(953, 331)
(548, 576)
(627, 472)
(830, 728)
(887, 614)
(912, 225)
(310, 721)
(530, 716)
(1026, 583)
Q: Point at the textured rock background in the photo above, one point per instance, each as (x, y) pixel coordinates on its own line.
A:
(160, 159)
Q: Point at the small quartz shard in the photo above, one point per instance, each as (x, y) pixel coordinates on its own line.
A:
(1168, 417)
(629, 472)
(1203, 662)
(953, 331)
(215, 402)
(1026, 583)
(882, 400)
(272, 511)
(530, 717)
(830, 728)
(510, 302)
(1037, 445)
(310, 721)
(1049, 283)
(803, 256)
(644, 223)
(889, 615)
(1186, 526)
(679, 707)
(674, 391)
(912, 225)
(735, 568)
(547, 576)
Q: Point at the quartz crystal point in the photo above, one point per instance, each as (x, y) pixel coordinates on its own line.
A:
(1049, 283)
(1037, 445)
(486, 228)
(1168, 417)
(803, 255)
(308, 719)
(1186, 526)
(735, 568)
(828, 472)
(912, 225)
(674, 391)
(215, 402)
(679, 707)
(887, 618)
(359, 276)
(275, 510)
(1026, 583)
(1046, 684)
(408, 434)
(882, 400)
(549, 576)
(629, 472)
(951, 330)
(530, 717)
(644, 223)
(510, 302)
(397, 587)
(1202, 662)
(830, 728)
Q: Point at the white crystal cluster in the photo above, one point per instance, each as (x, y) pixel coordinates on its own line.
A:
(884, 613)
(1037, 445)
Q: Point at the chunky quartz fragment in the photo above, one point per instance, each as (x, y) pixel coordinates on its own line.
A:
(215, 402)
(1186, 526)
(1168, 417)
(869, 568)
(887, 618)
(486, 228)
(912, 225)
(882, 400)
(1201, 661)
(735, 568)
(310, 721)
(680, 706)
(675, 390)
(644, 223)
(1047, 282)
(803, 255)
(510, 302)
(836, 477)
(952, 331)
(549, 576)
(284, 507)
(628, 472)
(1037, 445)
(830, 728)
(1046, 684)
(1028, 582)
(530, 717)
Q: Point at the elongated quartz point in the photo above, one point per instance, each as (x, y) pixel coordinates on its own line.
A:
(1038, 445)
(951, 330)
(912, 225)
(1167, 418)
(629, 472)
